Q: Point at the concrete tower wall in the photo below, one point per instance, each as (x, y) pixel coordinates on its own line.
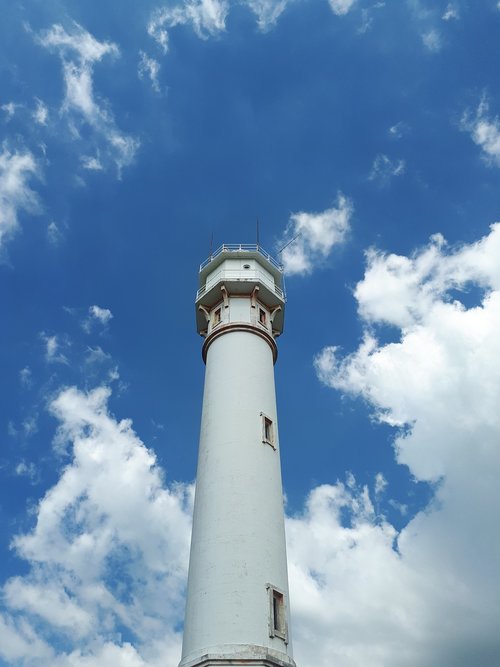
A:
(238, 544)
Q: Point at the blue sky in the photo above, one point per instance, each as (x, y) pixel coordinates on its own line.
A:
(131, 133)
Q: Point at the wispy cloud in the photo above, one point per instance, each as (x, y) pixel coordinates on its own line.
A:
(26, 377)
(41, 113)
(79, 52)
(102, 315)
(484, 131)
(341, 7)
(28, 470)
(398, 130)
(53, 346)
(54, 234)
(207, 18)
(267, 12)
(432, 40)
(149, 67)
(427, 21)
(91, 162)
(97, 316)
(16, 170)
(9, 108)
(384, 169)
(451, 12)
(310, 237)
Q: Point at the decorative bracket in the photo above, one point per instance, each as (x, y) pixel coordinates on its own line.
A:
(225, 296)
(205, 312)
(254, 296)
(273, 313)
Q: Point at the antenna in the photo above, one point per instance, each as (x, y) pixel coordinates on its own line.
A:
(289, 243)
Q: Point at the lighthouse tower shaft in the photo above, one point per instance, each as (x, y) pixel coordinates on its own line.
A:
(237, 610)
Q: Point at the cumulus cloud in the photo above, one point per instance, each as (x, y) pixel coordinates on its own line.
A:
(484, 131)
(384, 169)
(206, 17)
(79, 52)
(107, 554)
(16, 170)
(310, 237)
(149, 67)
(429, 593)
(341, 7)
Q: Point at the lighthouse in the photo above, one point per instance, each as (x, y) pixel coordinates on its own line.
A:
(237, 607)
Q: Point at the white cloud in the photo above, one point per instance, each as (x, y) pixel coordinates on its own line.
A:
(451, 12)
(41, 113)
(26, 376)
(16, 169)
(149, 67)
(53, 348)
(267, 12)
(103, 315)
(426, 19)
(485, 132)
(432, 40)
(30, 425)
(367, 17)
(207, 18)
(384, 169)
(29, 470)
(97, 315)
(341, 7)
(398, 130)
(79, 52)
(108, 552)
(91, 163)
(434, 599)
(312, 236)
(380, 484)
(9, 108)
(53, 233)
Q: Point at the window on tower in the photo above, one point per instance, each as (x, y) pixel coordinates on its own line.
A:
(262, 316)
(277, 614)
(267, 430)
(217, 316)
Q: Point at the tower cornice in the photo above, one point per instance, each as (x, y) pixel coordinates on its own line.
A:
(239, 326)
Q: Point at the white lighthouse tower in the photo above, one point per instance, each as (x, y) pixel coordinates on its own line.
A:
(237, 610)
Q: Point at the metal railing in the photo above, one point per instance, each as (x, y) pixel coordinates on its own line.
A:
(242, 247)
(234, 275)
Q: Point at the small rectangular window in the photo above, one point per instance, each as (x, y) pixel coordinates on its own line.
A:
(267, 430)
(217, 316)
(277, 613)
(262, 317)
